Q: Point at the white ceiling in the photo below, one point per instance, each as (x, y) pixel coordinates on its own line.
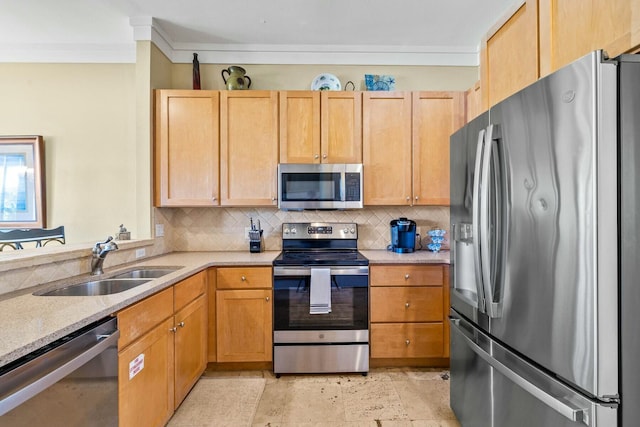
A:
(399, 32)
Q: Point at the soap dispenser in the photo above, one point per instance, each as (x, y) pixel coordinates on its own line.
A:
(123, 234)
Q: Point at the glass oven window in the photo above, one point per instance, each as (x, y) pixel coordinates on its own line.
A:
(349, 304)
(323, 186)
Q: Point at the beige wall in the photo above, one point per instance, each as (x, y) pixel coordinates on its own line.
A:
(299, 77)
(86, 113)
(97, 123)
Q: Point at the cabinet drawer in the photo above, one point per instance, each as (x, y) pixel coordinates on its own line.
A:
(391, 340)
(138, 319)
(189, 289)
(244, 277)
(406, 304)
(406, 275)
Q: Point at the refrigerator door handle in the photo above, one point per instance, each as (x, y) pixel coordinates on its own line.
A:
(575, 414)
(476, 221)
(488, 247)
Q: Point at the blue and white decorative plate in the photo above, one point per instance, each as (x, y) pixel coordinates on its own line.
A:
(379, 82)
(326, 81)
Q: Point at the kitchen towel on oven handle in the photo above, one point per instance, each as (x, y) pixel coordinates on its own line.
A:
(320, 291)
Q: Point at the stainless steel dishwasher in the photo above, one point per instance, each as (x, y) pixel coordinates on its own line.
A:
(70, 382)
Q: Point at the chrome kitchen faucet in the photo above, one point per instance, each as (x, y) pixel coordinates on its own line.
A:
(100, 251)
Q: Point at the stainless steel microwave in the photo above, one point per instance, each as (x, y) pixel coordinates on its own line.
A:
(319, 186)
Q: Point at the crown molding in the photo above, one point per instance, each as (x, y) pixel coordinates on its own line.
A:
(148, 29)
(68, 53)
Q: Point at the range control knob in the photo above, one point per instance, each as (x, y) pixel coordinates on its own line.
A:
(353, 230)
(345, 231)
(294, 231)
(285, 231)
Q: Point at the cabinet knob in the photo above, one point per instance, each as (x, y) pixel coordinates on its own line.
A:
(406, 276)
(181, 324)
(273, 199)
(173, 329)
(408, 198)
(267, 298)
(407, 342)
(416, 197)
(215, 198)
(316, 156)
(243, 278)
(324, 156)
(406, 304)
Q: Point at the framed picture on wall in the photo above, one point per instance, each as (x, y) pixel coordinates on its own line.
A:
(22, 195)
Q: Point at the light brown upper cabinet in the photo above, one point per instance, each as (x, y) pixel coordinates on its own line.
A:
(509, 54)
(473, 102)
(320, 127)
(436, 115)
(571, 29)
(186, 148)
(386, 148)
(248, 147)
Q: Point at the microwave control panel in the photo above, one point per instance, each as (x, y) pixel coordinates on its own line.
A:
(352, 186)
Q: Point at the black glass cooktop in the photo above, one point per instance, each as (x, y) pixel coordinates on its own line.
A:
(330, 258)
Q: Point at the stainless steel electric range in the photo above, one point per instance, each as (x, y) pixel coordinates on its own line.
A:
(321, 300)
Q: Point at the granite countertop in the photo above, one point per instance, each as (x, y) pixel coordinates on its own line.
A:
(30, 322)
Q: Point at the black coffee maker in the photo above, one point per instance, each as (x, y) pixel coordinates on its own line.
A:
(403, 235)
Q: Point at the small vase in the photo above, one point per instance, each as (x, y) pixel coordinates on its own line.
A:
(196, 72)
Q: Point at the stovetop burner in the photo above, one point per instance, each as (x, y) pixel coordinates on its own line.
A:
(320, 243)
(329, 257)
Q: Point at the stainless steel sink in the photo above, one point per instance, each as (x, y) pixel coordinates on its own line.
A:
(146, 273)
(96, 287)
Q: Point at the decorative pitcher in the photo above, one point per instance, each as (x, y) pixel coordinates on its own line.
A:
(236, 78)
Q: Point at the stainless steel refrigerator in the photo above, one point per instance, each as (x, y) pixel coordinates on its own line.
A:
(545, 268)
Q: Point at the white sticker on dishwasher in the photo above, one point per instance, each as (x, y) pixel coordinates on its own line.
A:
(136, 365)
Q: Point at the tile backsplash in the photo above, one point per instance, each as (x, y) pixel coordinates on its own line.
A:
(219, 229)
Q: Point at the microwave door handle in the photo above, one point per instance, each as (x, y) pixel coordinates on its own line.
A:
(343, 185)
(476, 220)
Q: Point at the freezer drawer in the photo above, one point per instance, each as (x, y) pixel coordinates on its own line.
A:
(520, 394)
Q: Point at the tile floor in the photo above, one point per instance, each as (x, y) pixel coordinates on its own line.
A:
(394, 397)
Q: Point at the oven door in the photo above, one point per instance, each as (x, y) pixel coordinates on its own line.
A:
(348, 320)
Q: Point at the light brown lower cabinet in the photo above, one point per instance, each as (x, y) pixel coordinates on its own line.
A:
(409, 307)
(244, 314)
(161, 352)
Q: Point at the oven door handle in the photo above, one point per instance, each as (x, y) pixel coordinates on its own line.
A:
(335, 271)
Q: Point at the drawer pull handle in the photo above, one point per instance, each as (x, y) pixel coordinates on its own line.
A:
(406, 304)
(181, 324)
(173, 329)
(406, 276)
(407, 342)
(243, 278)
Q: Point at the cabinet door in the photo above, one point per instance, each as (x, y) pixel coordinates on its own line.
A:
(473, 102)
(190, 346)
(186, 148)
(300, 127)
(386, 148)
(436, 115)
(244, 325)
(248, 147)
(571, 29)
(145, 379)
(509, 54)
(341, 124)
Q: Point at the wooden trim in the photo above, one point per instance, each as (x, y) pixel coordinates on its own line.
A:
(504, 18)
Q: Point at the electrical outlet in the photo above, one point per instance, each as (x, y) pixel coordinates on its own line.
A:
(140, 252)
(246, 233)
(159, 230)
